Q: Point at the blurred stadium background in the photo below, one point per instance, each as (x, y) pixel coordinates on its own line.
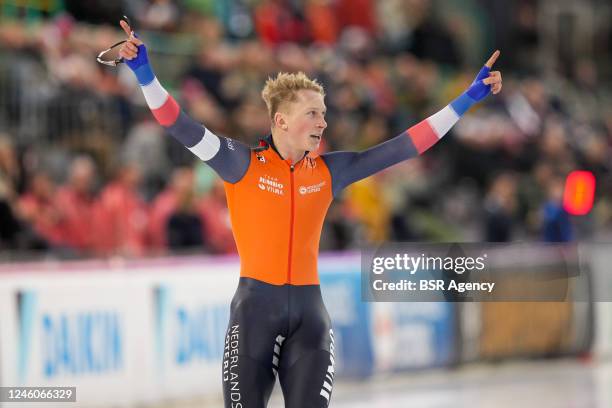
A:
(117, 261)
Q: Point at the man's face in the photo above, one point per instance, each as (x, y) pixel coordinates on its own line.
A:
(82, 176)
(304, 121)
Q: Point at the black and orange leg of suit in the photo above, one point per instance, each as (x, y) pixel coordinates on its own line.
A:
(278, 330)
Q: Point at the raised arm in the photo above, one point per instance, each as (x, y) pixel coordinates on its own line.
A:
(349, 167)
(229, 158)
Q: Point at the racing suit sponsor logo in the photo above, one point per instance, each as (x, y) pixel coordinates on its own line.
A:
(231, 367)
(271, 184)
(328, 383)
(311, 189)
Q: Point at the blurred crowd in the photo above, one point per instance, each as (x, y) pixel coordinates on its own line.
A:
(85, 170)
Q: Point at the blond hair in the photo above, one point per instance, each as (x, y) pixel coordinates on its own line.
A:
(284, 88)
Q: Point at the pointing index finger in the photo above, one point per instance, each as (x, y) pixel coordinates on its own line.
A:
(493, 58)
(126, 27)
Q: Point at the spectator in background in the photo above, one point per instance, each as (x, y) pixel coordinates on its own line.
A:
(10, 171)
(554, 145)
(214, 213)
(533, 195)
(341, 228)
(556, 224)
(10, 226)
(208, 69)
(145, 146)
(277, 21)
(15, 230)
(184, 226)
(322, 23)
(500, 207)
(371, 208)
(596, 151)
(431, 39)
(199, 95)
(356, 13)
(121, 215)
(165, 204)
(94, 11)
(525, 33)
(162, 15)
(373, 93)
(38, 207)
(75, 202)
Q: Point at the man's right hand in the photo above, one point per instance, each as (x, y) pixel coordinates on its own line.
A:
(133, 50)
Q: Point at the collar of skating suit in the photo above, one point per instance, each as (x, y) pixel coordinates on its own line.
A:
(268, 142)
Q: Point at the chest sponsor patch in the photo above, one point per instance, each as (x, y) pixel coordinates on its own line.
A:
(271, 184)
(303, 190)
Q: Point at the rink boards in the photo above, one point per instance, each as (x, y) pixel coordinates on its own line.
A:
(127, 332)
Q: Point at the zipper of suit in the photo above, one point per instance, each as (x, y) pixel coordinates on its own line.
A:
(291, 221)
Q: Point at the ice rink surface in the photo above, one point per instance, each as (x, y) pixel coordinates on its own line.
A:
(544, 384)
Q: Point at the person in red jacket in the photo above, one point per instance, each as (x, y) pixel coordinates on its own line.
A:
(75, 200)
(38, 207)
(278, 194)
(120, 216)
(166, 202)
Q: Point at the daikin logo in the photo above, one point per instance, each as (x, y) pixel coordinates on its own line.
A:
(26, 312)
(71, 344)
(85, 342)
(185, 333)
(197, 333)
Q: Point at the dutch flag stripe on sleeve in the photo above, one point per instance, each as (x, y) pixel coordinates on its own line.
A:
(167, 114)
(428, 132)
(201, 141)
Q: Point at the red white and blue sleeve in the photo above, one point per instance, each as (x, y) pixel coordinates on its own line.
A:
(349, 167)
(229, 158)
